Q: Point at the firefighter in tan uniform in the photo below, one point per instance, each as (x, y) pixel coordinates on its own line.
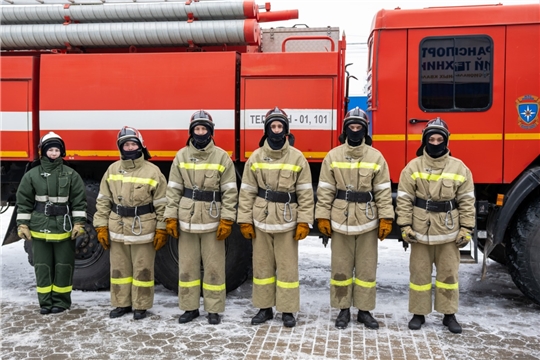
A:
(354, 208)
(274, 210)
(201, 200)
(129, 220)
(436, 214)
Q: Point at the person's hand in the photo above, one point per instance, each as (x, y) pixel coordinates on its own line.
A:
(78, 229)
(302, 230)
(385, 227)
(24, 232)
(408, 235)
(160, 238)
(172, 227)
(103, 236)
(224, 229)
(324, 227)
(247, 231)
(463, 237)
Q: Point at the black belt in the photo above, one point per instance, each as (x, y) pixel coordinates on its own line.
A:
(50, 209)
(277, 196)
(354, 196)
(436, 206)
(202, 195)
(129, 211)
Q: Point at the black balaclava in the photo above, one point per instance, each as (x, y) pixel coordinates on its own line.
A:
(200, 141)
(50, 144)
(436, 151)
(276, 140)
(133, 154)
(355, 138)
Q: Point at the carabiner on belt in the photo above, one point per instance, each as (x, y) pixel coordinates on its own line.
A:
(369, 208)
(285, 207)
(136, 219)
(66, 216)
(449, 216)
(213, 205)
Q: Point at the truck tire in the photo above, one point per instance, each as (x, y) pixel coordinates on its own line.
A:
(524, 250)
(238, 265)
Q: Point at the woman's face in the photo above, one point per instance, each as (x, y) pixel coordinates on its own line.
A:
(53, 153)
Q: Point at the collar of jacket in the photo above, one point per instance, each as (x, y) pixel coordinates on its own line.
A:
(49, 166)
(201, 154)
(133, 164)
(355, 152)
(275, 154)
(438, 163)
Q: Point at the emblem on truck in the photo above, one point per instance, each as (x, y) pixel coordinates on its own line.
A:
(527, 108)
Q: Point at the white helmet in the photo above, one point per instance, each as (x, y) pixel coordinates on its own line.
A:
(52, 140)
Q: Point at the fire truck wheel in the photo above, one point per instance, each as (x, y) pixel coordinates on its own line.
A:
(524, 250)
(237, 264)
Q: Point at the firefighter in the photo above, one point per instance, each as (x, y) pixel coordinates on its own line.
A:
(201, 202)
(436, 214)
(51, 211)
(274, 211)
(354, 208)
(129, 221)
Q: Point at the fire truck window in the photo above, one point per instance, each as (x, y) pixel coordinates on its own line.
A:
(455, 73)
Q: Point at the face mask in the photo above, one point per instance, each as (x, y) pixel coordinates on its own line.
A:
(200, 141)
(436, 151)
(131, 155)
(355, 137)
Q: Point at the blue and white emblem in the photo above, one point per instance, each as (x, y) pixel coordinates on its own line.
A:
(527, 108)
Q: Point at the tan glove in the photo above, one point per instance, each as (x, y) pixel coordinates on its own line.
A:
(24, 232)
(172, 227)
(302, 230)
(247, 231)
(385, 227)
(324, 227)
(408, 235)
(78, 229)
(103, 237)
(463, 237)
(224, 229)
(160, 238)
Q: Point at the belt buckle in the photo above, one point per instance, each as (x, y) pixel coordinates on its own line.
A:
(48, 204)
(266, 194)
(430, 207)
(193, 192)
(118, 211)
(347, 192)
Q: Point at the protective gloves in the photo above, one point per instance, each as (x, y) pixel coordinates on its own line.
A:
(324, 227)
(172, 227)
(247, 231)
(302, 230)
(224, 229)
(463, 237)
(385, 227)
(24, 232)
(78, 229)
(160, 238)
(408, 235)
(103, 237)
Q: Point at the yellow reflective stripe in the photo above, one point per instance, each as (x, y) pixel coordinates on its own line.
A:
(366, 284)
(288, 285)
(44, 290)
(442, 285)
(266, 166)
(48, 236)
(121, 281)
(143, 283)
(420, 287)
(62, 290)
(357, 165)
(341, 282)
(264, 281)
(213, 287)
(189, 283)
(432, 177)
(132, 179)
(193, 166)
(524, 136)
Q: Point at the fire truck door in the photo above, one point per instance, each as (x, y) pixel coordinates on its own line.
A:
(16, 119)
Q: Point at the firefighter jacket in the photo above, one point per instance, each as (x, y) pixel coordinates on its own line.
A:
(52, 183)
(130, 184)
(357, 169)
(442, 179)
(207, 170)
(284, 170)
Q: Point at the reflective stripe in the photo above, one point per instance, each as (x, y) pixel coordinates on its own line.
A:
(122, 281)
(366, 284)
(213, 287)
(469, 194)
(382, 186)
(326, 185)
(404, 194)
(62, 290)
(163, 200)
(140, 283)
(135, 238)
(450, 236)
(24, 216)
(368, 226)
(227, 186)
(210, 226)
(78, 213)
(132, 179)
(341, 282)
(288, 285)
(269, 228)
(415, 287)
(189, 283)
(175, 185)
(101, 196)
(249, 188)
(53, 199)
(357, 165)
(431, 177)
(446, 286)
(307, 186)
(266, 281)
(49, 236)
(44, 290)
(266, 166)
(192, 166)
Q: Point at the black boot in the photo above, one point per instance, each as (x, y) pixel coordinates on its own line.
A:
(451, 322)
(262, 316)
(416, 322)
(288, 320)
(365, 318)
(213, 318)
(57, 309)
(139, 314)
(343, 319)
(188, 316)
(44, 311)
(119, 311)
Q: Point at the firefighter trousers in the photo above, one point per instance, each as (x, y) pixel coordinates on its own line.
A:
(54, 264)
(354, 270)
(132, 275)
(192, 249)
(446, 259)
(276, 253)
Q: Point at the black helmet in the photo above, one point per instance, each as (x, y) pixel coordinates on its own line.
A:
(131, 134)
(279, 115)
(355, 116)
(201, 117)
(51, 140)
(434, 126)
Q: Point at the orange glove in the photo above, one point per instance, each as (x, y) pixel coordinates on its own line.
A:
(224, 229)
(247, 231)
(324, 227)
(160, 239)
(385, 227)
(24, 232)
(103, 237)
(302, 230)
(172, 227)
